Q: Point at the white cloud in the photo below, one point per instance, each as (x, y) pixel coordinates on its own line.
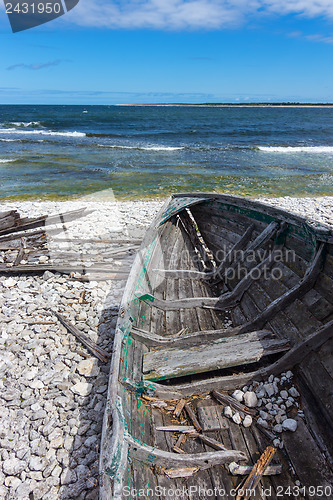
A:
(188, 14)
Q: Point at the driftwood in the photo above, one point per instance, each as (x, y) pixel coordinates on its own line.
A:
(226, 400)
(256, 473)
(91, 346)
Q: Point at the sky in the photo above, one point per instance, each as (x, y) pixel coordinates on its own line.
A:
(171, 51)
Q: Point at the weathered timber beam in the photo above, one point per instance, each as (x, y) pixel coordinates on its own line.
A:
(154, 456)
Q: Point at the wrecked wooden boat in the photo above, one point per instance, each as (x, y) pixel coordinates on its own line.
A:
(224, 293)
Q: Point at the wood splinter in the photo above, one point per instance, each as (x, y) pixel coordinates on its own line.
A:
(179, 408)
(192, 417)
(256, 474)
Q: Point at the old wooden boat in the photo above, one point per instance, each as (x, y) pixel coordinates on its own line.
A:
(224, 293)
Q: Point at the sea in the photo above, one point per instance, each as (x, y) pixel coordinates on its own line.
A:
(147, 152)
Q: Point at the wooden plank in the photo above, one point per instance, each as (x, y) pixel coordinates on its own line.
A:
(320, 383)
(308, 461)
(209, 418)
(222, 353)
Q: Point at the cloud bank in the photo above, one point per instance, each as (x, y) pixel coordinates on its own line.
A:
(189, 14)
(34, 66)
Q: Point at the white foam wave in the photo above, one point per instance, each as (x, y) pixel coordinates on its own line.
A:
(142, 148)
(296, 149)
(41, 132)
(7, 140)
(5, 161)
(26, 124)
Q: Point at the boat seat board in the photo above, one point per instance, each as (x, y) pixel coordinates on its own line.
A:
(223, 353)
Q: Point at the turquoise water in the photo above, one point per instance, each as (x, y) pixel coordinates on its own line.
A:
(51, 152)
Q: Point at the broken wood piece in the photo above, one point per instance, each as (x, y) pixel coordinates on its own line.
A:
(226, 400)
(244, 470)
(256, 474)
(177, 448)
(91, 346)
(179, 407)
(213, 443)
(192, 417)
(182, 472)
(176, 428)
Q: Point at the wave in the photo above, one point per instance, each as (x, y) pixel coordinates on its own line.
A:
(295, 149)
(22, 124)
(142, 148)
(41, 132)
(3, 160)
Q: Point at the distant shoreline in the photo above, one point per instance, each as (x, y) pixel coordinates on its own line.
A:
(236, 105)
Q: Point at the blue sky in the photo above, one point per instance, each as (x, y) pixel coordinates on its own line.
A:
(111, 52)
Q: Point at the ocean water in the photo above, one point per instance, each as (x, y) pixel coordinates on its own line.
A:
(54, 152)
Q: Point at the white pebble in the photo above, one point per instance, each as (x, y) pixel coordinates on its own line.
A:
(250, 399)
(247, 422)
(237, 418)
(238, 395)
(228, 412)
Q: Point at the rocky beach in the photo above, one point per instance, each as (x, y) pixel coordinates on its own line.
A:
(52, 390)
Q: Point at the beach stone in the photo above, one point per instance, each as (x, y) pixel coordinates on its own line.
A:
(289, 425)
(81, 389)
(68, 476)
(284, 394)
(262, 422)
(294, 392)
(250, 399)
(269, 388)
(13, 466)
(237, 418)
(247, 422)
(9, 283)
(278, 428)
(228, 411)
(238, 395)
(88, 367)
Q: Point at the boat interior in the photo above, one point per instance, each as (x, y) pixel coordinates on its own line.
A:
(225, 293)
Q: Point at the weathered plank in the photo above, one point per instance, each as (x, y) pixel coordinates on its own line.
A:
(223, 353)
